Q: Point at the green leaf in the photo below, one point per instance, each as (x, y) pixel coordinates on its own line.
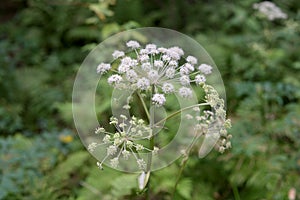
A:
(110, 29)
(124, 185)
(185, 187)
(63, 170)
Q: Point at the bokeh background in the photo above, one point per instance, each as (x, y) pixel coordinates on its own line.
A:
(42, 44)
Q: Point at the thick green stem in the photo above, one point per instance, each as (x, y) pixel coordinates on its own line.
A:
(150, 116)
(151, 145)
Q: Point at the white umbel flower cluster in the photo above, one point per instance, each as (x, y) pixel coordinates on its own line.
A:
(270, 10)
(159, 69)
(123, 143)
(218, 116)
(160, 72)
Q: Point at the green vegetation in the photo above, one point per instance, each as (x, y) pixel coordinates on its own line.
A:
(42, 44)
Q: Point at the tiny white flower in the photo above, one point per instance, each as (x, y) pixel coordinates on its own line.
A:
(113, 120)
(117, 141)
(159, 99)
(184, 80)
(143, 83)
(111, 150)
(170, 72)
(146, 66)
(126, 107)
(205, 69)
(151, 48)
(114, 162)
(162, 50)
(122, 125)
(221, 149)
(125, 154)
(116, 135)
(126, 61)
(158, 63)
(92, 146)
(144, 58)
(228, 145)
(227, 123)
(140, 121)
(178, 50)
(103, 68)
(118, 54)
(173, 54)
(99, 130)
(168, 88)
(134, 63)
(133, 44)
(153, 75)
(123, 117)
(192, 60)
(184, 71)
(114, 79)
(106, 139)
(129, 144)
(155, 150)
(123, 68)
(223, 132)
(189, 66)
(144, 51)
(99, 165)
(131, 75)
(166, 57)
(139, 147)
(185, 92)
(141, 163)
(200, 79)
(173, 63)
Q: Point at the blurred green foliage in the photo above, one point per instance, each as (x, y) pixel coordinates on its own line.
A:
(42, 44)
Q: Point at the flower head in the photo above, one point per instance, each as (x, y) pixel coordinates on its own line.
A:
(103, 68)
(205, 69)
(118, 54)
(200, 79)
(143, 83)
(114, 79)
(123, 143)
(185, 92)
(133, 44)
(155, 72)
(159, 99)
(192, 60)
(168, 88)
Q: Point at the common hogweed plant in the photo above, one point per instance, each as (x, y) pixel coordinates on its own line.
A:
(153, 74)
